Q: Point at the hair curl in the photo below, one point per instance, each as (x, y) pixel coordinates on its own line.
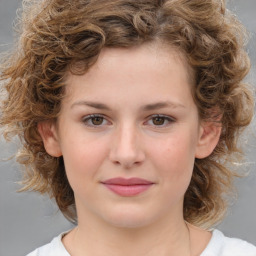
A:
(56, 35)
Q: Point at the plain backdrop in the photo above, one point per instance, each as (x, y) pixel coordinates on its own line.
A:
(29, 220)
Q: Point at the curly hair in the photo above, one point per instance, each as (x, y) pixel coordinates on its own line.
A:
(60, 36)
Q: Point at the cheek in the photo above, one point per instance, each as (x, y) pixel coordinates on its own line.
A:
(174, 158)
(83, 158)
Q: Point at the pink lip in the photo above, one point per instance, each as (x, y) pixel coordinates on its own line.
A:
(127, 187)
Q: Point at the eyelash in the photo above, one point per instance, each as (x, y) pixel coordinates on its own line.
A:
(166, 118)
(89, 118)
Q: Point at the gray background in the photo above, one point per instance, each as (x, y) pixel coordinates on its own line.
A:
(28, 220)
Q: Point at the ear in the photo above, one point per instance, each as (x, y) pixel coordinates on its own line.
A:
(208, 138)
(49, 135)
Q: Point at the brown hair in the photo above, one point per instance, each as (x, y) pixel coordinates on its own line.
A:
(56, 35)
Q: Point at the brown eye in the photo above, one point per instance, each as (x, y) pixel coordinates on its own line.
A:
(94, 120)
(158, 120)
(97, 120)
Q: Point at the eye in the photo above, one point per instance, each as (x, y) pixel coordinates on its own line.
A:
(95, 120)
(160, 120)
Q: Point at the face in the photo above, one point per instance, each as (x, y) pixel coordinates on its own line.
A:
(129, 132)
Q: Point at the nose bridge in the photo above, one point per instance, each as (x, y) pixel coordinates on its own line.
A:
(127, 138)
(126, 148)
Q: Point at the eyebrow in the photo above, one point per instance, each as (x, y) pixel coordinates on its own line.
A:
(148, 107)
(91, 104)
(162, 104)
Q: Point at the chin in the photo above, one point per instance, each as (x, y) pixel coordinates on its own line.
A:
(129, 218)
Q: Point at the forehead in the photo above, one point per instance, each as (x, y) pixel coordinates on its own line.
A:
(153, 53)
(156, 52)
(148, 69)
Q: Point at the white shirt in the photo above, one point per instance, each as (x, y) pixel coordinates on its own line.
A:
(219, 245)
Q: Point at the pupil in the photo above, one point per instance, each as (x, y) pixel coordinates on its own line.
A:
(158, 120)
(97, 120)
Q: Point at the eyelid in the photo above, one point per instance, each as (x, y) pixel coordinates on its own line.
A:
(167, 118)
(90, 116)
(162, 115)
(170, 120)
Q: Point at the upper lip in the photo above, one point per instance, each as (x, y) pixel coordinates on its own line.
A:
(127, 182)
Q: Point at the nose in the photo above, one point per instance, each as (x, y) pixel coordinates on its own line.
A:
(126, 147)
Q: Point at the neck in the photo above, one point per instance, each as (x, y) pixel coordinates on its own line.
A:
(160, 238)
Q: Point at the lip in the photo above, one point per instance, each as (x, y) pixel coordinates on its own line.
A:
(127, 187)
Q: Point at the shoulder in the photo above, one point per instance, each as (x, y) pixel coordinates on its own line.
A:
(221, 245)
(54, 248)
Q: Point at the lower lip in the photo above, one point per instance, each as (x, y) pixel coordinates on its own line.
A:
(131, 190)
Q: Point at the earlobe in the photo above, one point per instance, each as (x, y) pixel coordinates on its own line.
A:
(48, 132)
(208, 139)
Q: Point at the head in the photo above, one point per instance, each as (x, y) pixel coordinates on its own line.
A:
(61, 39)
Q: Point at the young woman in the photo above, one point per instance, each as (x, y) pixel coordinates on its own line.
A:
(129, 114)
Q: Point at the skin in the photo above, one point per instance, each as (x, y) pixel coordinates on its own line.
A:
(128, 140)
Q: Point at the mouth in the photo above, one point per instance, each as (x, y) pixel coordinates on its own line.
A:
(127, 187)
